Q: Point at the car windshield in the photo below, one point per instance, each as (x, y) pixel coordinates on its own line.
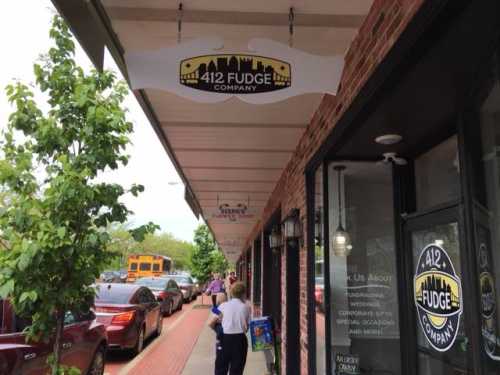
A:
(152, 283)
(181, 279)
(106, 293)
(320, 281)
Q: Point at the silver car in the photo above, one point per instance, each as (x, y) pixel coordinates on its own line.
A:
(187, 285)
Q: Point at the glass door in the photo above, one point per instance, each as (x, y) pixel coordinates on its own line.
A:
(433, 240)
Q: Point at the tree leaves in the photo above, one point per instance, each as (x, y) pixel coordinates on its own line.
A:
(6, 288)
(206, 258)
(56, 228)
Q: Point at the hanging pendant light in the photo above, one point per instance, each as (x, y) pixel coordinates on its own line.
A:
(341, 241)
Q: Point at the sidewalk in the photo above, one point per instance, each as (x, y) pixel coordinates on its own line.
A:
(201, 360)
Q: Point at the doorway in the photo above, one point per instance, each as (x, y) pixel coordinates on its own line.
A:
(434, 252)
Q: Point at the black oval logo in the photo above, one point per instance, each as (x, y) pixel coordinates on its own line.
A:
(438, 297)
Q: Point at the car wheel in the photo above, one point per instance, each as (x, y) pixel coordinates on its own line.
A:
(97, 365)
(159, 323)
(139, 345)
(170, 308)
(181, 303)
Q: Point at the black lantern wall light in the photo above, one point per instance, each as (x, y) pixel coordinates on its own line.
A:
(275, 239)
(292, 228)
(341, 241)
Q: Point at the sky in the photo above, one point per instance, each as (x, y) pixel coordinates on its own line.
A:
(163, 200)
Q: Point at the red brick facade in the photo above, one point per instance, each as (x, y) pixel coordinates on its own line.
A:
(381, 28)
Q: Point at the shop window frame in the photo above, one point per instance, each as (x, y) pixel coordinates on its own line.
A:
(257, 271)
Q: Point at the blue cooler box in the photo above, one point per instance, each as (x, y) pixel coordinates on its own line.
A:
(261, 334)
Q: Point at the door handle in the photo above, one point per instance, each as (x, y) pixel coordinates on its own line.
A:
(67, 345)
(29, 356)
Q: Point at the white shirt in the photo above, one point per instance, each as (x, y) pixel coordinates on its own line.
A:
(235, 316)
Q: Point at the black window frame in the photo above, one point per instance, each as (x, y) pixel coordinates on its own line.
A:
(257, 272)
(466, 118)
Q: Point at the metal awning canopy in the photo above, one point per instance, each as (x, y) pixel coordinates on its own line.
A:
(231, 152)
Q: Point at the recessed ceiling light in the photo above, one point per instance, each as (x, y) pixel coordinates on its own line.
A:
(388, 139)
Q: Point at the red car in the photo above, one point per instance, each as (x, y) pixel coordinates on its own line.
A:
(84, 345)
(319, 295)
(130, 313)
(166, 291)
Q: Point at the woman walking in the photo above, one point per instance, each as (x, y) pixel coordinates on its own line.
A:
(235, 319)
(215, 287)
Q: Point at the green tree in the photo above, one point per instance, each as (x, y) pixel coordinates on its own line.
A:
(218, 262)
(54, 229)
(206, 258)
(201, 259)
(122, 244)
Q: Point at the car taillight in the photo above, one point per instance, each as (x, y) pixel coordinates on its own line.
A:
(123, 318)
(161, 295)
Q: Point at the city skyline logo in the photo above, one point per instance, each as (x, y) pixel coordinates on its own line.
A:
(438, 297)
(235, 74)
(488, 299)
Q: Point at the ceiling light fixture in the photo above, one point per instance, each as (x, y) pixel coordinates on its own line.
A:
(388, 139)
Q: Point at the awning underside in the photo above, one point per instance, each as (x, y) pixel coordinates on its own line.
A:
(233, 153)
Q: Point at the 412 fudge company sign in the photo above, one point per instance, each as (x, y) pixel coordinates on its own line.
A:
(235, 74)
(202, 71)
(438, 297)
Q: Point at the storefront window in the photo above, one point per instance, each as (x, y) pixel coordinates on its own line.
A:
(364, 301)
(437, 175)
(487, 220)
(319, 273)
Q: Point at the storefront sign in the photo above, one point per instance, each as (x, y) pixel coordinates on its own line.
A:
(231, 213)
(235, 74)
(488, 297)
(438, 297)
(346, 364)
(269, 72)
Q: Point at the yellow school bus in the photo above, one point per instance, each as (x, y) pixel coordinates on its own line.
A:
(144, 265)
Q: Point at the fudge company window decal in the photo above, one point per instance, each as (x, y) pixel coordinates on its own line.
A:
(438, 297)
(235, 74)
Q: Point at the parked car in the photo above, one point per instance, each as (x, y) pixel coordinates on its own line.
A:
(187, 286)
(110, 277)
(319, 295)
(84, 345)
(130, 314)
(123, 273)
(166, 291)
(197, 286)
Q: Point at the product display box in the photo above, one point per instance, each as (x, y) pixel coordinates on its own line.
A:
(261, 334)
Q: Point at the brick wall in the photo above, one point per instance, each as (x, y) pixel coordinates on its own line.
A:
(381, 28)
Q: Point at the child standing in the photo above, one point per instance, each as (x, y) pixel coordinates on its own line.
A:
(216, 325)
(235, 321)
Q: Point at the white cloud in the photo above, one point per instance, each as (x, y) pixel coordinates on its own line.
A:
(21, 43)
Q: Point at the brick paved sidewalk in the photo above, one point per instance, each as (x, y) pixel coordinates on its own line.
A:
(169, 354)
(201, 360)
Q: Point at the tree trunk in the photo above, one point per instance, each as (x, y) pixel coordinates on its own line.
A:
(57, 342)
